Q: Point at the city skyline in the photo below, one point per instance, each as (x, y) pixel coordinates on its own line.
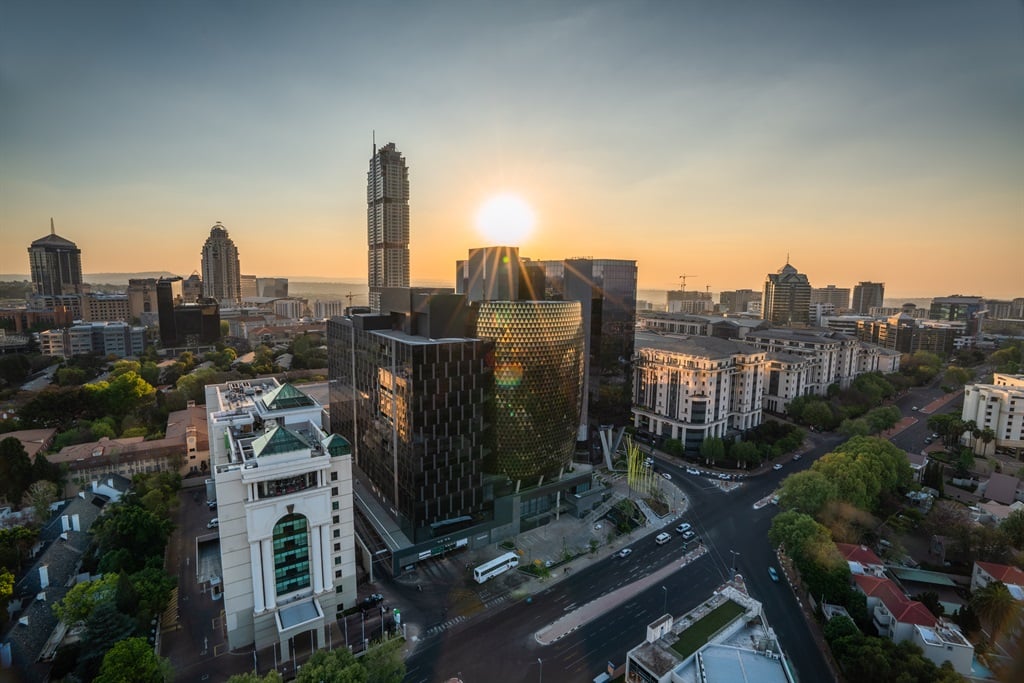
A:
(694, 139)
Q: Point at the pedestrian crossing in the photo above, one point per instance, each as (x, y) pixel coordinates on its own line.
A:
(441, 628)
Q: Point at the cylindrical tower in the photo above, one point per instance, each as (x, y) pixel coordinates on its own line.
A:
(538, 378)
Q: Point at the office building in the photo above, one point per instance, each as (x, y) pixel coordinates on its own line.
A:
(328, 309)
(248, 286)
(786, 298)
(55, 264)
(998, 406)
(695, 388)
(839, 297)
(102, 338)
(283, 487)
(967, 309)
(273, 287)
(606, 290)
(909, 335)
(185, 325)
(142, 302)
(867, 295)
(462, 418)
(387, 221)
(222, 279)
(538, 375)
(738, 301)
(681, 301)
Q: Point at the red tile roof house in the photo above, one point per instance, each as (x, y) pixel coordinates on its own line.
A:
(893, 613)
(986, 572)
(899, 618)
(862, 559)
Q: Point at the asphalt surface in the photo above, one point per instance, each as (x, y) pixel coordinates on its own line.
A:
(502, 640)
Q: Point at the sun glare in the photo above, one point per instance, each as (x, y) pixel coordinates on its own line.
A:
(505, 220)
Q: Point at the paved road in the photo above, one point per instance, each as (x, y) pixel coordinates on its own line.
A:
(502, 640)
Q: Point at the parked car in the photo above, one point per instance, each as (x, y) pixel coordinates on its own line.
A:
(372, 599)
(723, 475)
(212, 504)
(667, 475)
(683, 528)
(692, 470)
(625, 552)
(662, 538)
(213, 523)
(773, 574)
(689, 536)
(777, 466)
(797, 456)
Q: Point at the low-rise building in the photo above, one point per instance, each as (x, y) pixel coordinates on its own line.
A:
(985, 573)
(862, 559)
(744, 650)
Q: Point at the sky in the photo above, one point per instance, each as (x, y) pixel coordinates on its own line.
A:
(865, 140)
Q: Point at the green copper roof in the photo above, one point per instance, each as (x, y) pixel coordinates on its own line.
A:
(286, 396)
(338, 445)
(276, 441)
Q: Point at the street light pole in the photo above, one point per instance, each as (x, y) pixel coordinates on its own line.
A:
(665, 610)
(734, 556)
(540, 670)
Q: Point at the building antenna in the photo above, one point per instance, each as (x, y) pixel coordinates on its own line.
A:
(52, 230)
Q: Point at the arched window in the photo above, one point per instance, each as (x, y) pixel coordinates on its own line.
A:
(291, 554)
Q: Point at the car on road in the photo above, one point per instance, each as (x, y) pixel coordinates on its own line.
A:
(625, 552)
(914, 408)
(683, 528)
(724, 476)
(777, 466)
(692, 470)
(597, 527)
(773, 574)
(934, 435)
(667, 475)
(213, 523)
(689, 536)
(797, 456)
(662, 538)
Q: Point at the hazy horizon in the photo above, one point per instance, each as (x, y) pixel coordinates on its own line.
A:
(871, 141)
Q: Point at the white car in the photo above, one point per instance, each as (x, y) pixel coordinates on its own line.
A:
(213, 523)
(777, 466)
(667, 475)
(683, 528)
(625, 552)
(692, 470)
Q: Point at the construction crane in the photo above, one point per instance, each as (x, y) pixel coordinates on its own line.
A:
(682, 278)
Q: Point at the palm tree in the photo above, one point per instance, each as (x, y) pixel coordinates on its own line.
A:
(967, 428)
(996, 607)
(987, 436)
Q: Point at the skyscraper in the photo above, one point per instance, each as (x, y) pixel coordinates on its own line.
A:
(839, 297)
(867, 295)
(221, 273)
(55, 264)
(387, 221)
(787, 297)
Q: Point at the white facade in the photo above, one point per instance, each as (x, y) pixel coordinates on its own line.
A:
(108, 339)
(998, 406)
(694, 388)
(284, 496)
(328, 309)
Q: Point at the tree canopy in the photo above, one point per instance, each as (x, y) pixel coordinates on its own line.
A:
(132, 660)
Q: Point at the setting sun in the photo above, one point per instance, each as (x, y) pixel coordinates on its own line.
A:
(505, 219)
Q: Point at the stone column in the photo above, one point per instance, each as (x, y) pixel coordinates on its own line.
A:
(318, 567)
(269, 580)
(257, 577)
(328, 552)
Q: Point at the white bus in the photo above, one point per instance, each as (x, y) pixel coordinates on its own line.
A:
(499, 565)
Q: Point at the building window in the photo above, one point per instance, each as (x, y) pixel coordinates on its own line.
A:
(336, 519)
(337, 533)
(337, 547)
(291, 554)
(337, 573)
(337, 560)
(334, 491)
(335, 505)
(334, 476)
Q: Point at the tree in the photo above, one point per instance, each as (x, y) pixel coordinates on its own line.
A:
(133, 661)
(806, 491)
(1013, 527)
(67, 377)
(882, 418)
(995, 606)
(44, 469)
(39, 497)
(133, 528)
(336, 666)
(987, 436)
(957, 376)
(104, 627)
(6, 586)
(384, 664)
(15, 368)
(83, 598)
(712, 449)
(819, 414)
(250, 677)
(15, 543)
(930, 599)
(744, 453)
(15, 470)
(855, 427)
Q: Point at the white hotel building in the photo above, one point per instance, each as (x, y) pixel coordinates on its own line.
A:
(692, 388)
(998, 406)
(284, 498)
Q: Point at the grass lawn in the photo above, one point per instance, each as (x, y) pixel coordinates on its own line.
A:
(693, 638)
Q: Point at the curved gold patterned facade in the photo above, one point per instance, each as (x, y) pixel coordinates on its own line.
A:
(538, 379)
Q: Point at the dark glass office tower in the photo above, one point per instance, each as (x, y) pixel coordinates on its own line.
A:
(606, 290)
(56, 265)
(417, 411)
